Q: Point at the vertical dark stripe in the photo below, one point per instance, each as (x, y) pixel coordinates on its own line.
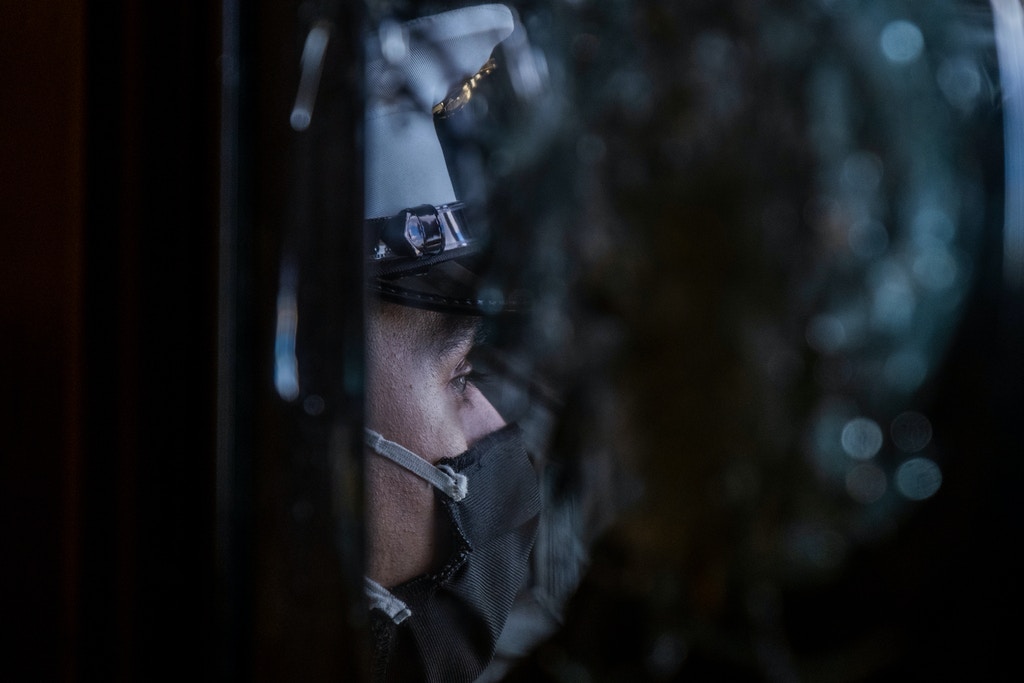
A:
(149, 340)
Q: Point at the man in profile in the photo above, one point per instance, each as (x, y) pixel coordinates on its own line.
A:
(452, 497)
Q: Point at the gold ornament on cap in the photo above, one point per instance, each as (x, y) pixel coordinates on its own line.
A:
(458, 98)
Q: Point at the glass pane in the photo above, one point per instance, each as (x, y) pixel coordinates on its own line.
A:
(743, 274)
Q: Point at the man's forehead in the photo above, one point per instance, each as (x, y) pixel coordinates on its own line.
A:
(426, 333)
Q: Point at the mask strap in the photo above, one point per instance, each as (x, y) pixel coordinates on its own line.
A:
(451, 483)
(383, 599)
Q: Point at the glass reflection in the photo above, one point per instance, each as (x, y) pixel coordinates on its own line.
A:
(750, 235)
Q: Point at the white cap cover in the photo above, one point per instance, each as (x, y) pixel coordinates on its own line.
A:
(407, 73)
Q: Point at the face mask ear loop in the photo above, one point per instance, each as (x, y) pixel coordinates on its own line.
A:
(384, 600)
(451, 483)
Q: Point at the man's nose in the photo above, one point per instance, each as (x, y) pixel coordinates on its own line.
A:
(481, 419)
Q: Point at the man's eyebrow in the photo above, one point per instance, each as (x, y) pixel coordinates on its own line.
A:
(460, 334)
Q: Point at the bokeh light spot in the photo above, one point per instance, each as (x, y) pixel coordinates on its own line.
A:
(901, 41)
(960, 82)
(862, 172)
(893, 299)
(905, 370)
(394, 43)
(826, 334)
(866, 483)
(935, 268)
(666, 656)
(491, 299)
(932, 224)
(313, 405)
(918, 478)
(911, 431)
(861, 438)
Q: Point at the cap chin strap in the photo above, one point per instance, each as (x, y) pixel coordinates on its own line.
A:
(451, 483)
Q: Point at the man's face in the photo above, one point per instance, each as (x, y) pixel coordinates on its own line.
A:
(420, 394)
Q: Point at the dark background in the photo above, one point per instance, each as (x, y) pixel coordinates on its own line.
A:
(147, 169)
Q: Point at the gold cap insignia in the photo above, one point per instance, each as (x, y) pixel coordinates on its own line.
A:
(458, 97)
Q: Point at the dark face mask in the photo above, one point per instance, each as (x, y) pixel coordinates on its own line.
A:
(444, 626)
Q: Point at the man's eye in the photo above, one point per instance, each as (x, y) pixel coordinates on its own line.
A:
(465, 380)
